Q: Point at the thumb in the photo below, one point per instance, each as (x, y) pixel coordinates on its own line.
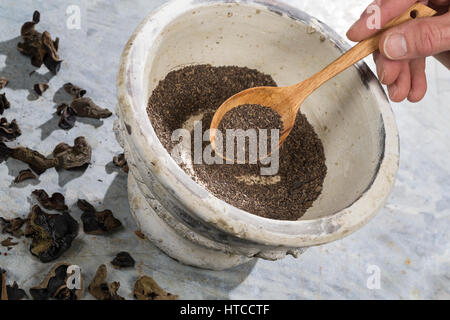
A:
(417, 38)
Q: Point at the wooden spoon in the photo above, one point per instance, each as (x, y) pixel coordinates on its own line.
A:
(286, 101)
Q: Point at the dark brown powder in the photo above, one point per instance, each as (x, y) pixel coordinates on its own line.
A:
(199, 91)
(250, 117)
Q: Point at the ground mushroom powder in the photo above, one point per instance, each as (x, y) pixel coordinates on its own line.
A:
(195, 92)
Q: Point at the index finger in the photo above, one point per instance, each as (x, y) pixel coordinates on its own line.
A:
(378, 12)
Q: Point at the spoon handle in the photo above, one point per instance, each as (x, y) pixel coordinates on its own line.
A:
(361, 50)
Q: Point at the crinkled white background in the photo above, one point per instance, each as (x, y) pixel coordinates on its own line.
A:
(408, 240)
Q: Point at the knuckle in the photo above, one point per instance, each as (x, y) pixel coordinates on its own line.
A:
(428, 38)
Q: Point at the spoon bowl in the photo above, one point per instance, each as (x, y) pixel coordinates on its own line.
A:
(274, 97)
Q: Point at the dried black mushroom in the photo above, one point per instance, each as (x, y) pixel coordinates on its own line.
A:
(39, 46)
(67, 117)
(3, 82)
(121, 162)
(9, 131)
(12, 226)
(8, 242)
(55, 285)
(73, 157)
(8, 292)
(52, 234)
(37, 162)
(4, 103)
(85, 107)
(5, 152)
(65, 156)
(40, 88)
(123, 260)
(74, 91)
(102, 290)
(97, 222)
(146, 288)
(25, 175)
(55, 202)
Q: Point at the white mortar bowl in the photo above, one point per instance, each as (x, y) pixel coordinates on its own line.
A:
(350, 113)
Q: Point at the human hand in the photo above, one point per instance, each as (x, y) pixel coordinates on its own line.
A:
(401, 58)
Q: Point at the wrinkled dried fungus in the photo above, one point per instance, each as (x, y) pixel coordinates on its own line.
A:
(4, 103)
(73, 157)
(25, 175)
(37, 162)
(65, 156)
(146, 288)
(8, 242)
(97, 222)
(52, 234)
(102, 290)
(8, 292)
(12, 226)
(39, 46)
(74, 91)
(55, 202)
(9, 131)
(85, 107)
(123, 260)
(67, 117)
(121, 162)
(55, 285)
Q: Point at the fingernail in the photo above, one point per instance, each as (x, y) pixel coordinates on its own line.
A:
(395, 46)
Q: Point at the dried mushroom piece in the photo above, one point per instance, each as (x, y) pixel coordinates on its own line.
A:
(123, 260)
(39, 46)
(37, 162)
(65, 156)
(40, 88)
(67, 117)
(95, 222)
(9, 131)
(74, 91)
(5, 152)
(55, 285)
(85, 107)
(3, 82)
(4, 103)
(73, 157)
(8, 242)
(146, 288)
(15, 293)
(25, 175)
(55, 202)
(12, 226)
(52, 234)
(121, 162)
(102, 290)
(8, 292)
